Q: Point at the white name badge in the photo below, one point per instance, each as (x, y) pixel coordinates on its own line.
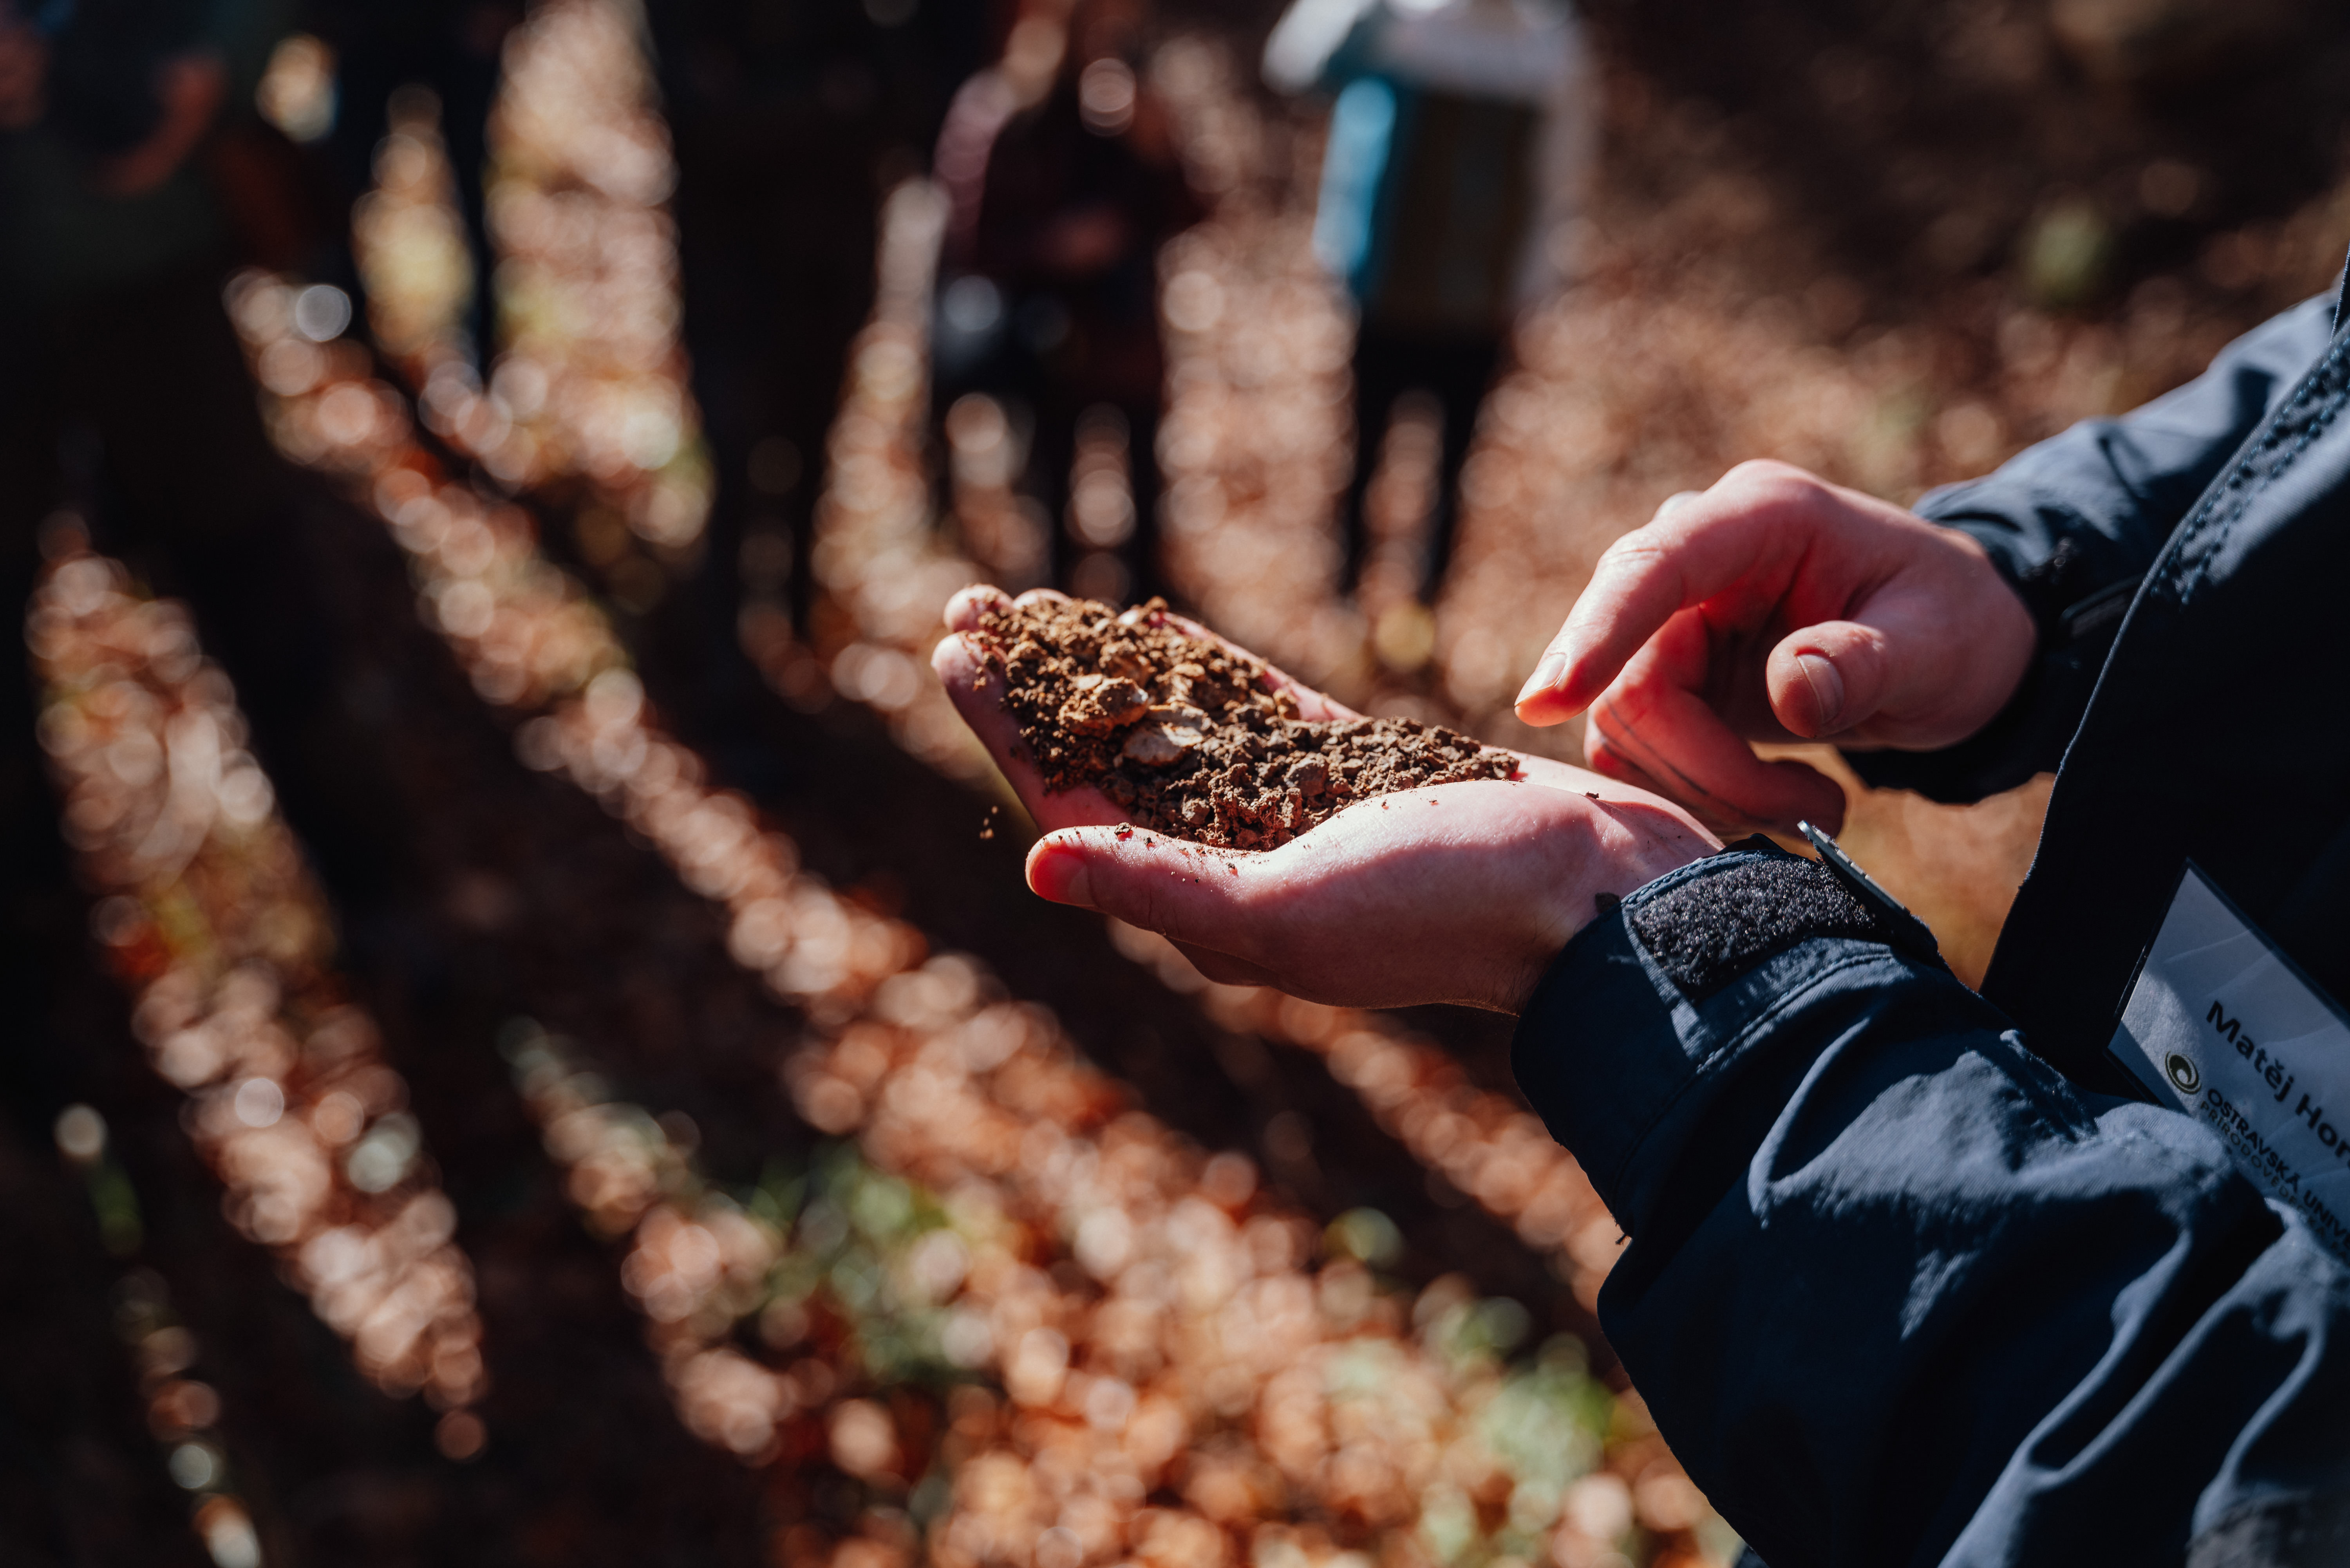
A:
(2222, 1026)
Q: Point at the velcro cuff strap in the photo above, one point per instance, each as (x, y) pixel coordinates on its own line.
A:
(1710, 923)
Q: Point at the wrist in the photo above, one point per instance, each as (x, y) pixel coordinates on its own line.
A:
(1621, 846)
(2053, 639)
(2010, 631)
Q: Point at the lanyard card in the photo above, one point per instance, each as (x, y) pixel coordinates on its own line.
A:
(2222, 1026)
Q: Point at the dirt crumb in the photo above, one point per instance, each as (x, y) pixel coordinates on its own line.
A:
(1192, 739)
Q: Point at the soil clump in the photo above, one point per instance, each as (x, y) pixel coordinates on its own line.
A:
(1194, 739)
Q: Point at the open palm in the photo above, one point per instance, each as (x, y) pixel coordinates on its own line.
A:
(1458, 892)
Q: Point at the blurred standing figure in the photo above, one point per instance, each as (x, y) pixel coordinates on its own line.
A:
(1057, 212)
(1457, 142)
(790, 120)
(123, 396)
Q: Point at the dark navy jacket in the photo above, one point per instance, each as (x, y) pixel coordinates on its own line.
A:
(1912, 1278)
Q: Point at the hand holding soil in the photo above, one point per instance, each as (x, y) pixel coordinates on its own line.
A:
(1176, 780)
(1191, 737)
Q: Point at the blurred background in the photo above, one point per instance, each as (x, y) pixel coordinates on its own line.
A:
(527, 1042)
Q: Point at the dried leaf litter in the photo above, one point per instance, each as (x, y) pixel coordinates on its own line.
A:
(1192, 738)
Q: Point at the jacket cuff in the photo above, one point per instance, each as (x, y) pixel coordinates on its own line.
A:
(1652, 993)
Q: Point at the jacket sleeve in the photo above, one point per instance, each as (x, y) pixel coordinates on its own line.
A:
(2075, 521)
(1895, 1290)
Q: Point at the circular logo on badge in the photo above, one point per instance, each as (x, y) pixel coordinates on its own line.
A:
(2183, 1074)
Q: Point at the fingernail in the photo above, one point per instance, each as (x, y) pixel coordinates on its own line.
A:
(1545, 676)
(1063, 877)
(1827, 688)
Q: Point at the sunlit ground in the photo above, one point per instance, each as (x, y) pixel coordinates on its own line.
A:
(1017, 1317)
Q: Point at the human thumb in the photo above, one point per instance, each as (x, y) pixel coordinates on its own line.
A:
(1186, 891)
(1830, 678)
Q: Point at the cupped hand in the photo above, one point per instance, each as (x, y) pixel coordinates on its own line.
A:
(1776, 606)
(1460, 892)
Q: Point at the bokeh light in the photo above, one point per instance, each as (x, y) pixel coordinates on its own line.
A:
(1003, 1315)
(951, 1090)
(209, 914)
(592, 367)
(410, 243)
(297, 93)
(887, 563)
(183, 1415)
(589, 380)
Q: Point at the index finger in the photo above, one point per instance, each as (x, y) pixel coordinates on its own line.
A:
(1695, 547)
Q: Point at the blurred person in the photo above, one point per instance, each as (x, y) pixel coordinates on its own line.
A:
(1457, 142)
(119, 378)
(969, 335)
(1915, 1274)
(104, 105)
(790, 123)
(123, 382)
(126, 410)
(1063, 182)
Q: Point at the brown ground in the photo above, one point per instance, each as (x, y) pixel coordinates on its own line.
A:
(1193, 738)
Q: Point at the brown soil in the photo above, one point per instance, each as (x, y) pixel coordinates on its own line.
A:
(1193, 738)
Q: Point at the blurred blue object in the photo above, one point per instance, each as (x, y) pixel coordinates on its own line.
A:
(1362, 134)
(1459, 138)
